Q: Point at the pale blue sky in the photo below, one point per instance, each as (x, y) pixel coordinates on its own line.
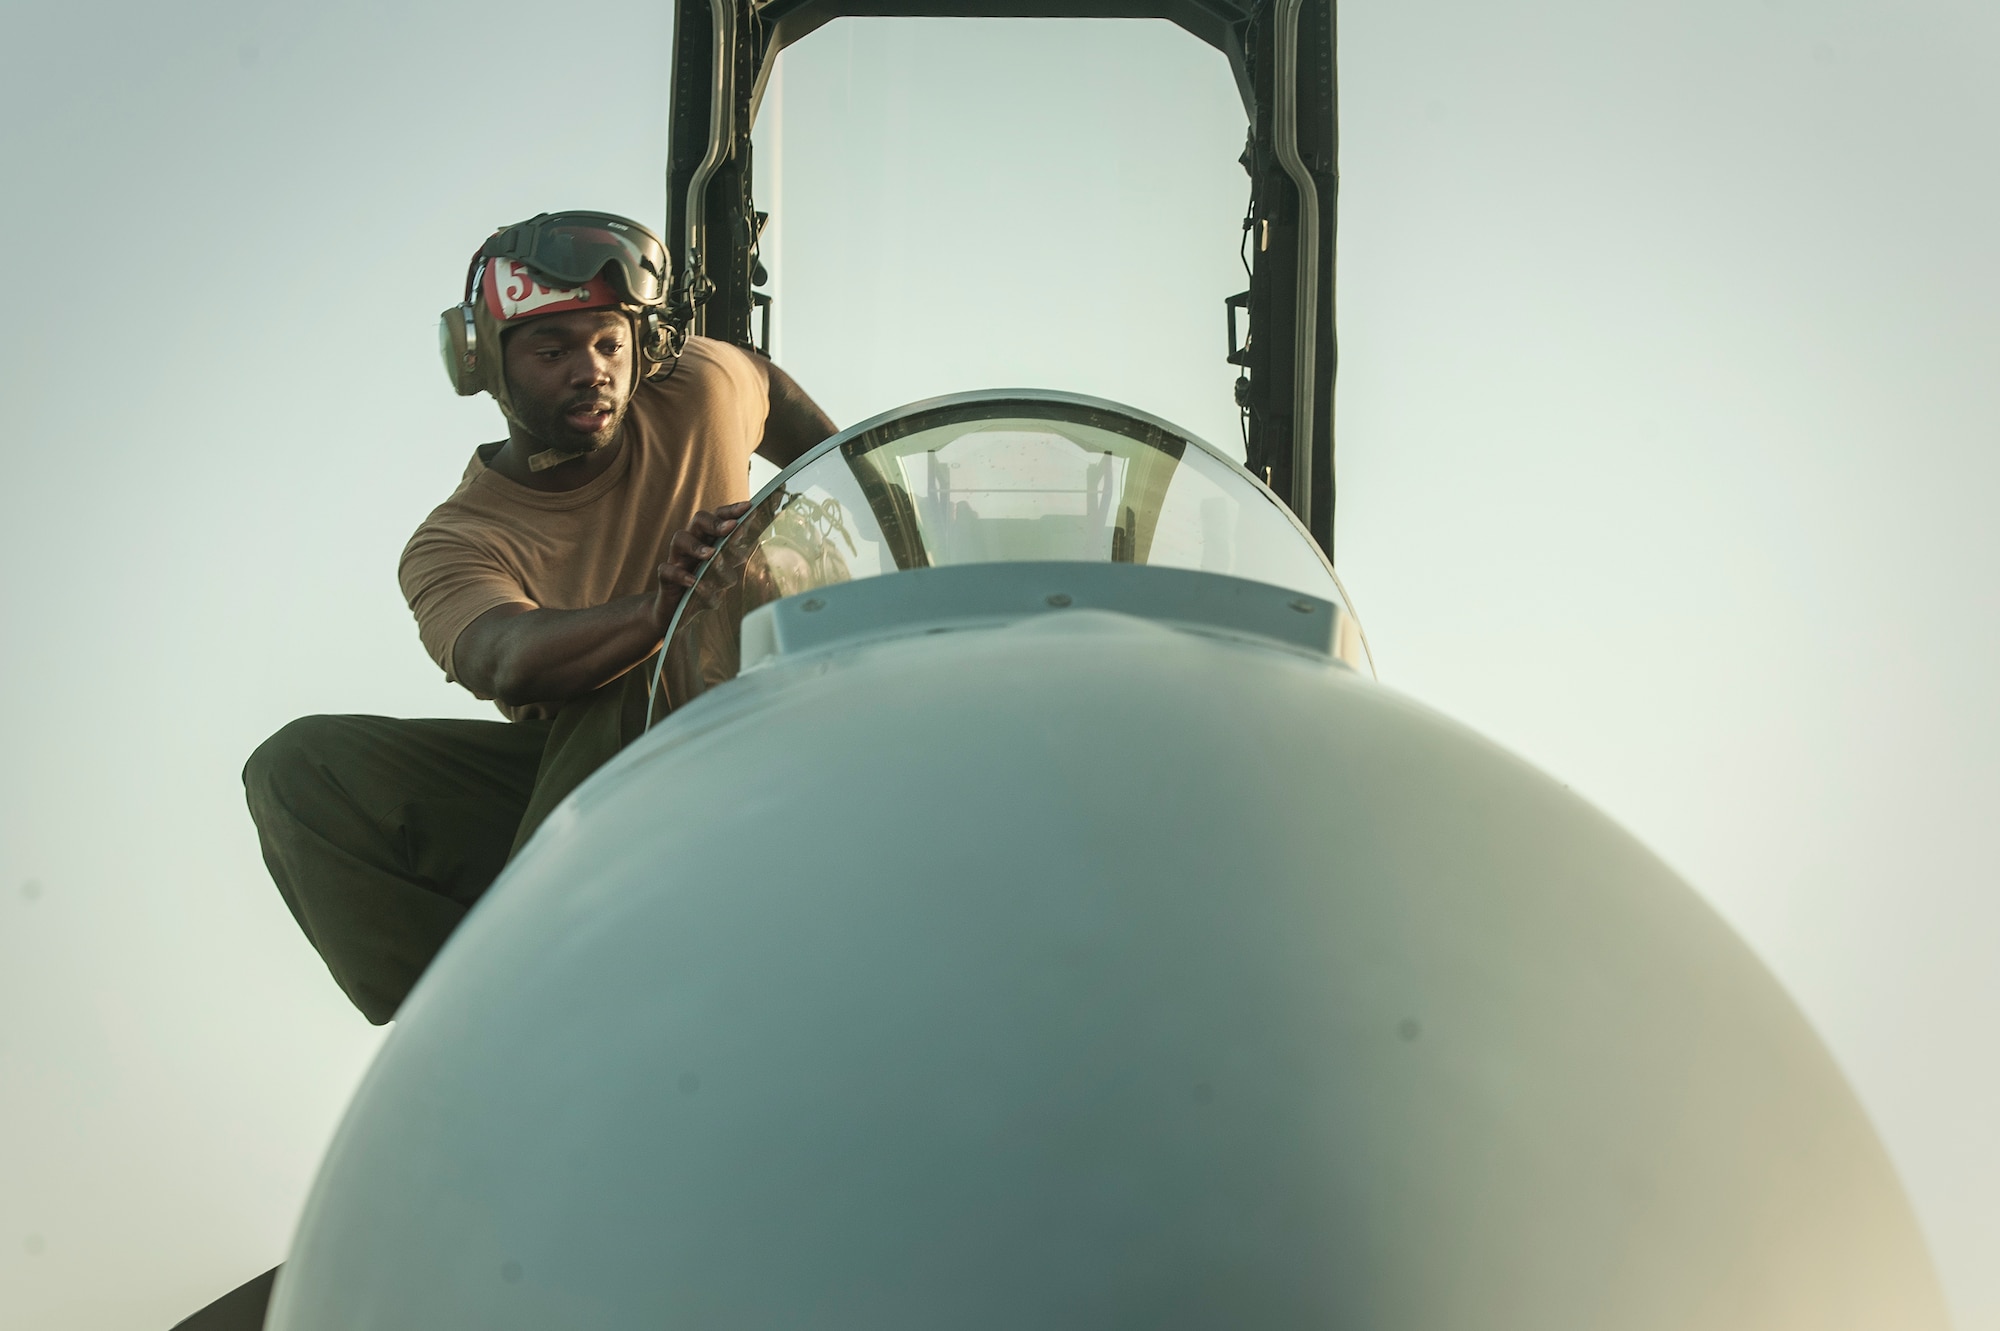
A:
(1668, 423)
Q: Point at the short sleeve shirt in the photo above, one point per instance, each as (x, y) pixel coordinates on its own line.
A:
(688, 438)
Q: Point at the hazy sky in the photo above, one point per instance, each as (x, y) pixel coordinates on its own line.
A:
(1669, 414)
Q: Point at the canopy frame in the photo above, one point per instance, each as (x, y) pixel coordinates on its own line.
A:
(1280, 332)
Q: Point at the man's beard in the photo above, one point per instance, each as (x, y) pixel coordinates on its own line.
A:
(548, 426)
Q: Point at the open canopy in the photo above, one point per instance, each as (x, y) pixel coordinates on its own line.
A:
(1220, 23)
(1280, 331)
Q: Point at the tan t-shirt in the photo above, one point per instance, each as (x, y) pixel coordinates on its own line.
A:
(688, 441)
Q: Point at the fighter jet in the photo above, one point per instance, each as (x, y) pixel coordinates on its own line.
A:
(1026, 908)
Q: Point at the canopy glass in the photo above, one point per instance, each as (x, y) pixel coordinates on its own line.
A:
(988, 478)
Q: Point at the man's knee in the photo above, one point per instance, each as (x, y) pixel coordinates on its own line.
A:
(293, 758)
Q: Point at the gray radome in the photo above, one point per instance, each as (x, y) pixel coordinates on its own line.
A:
(1092, 972)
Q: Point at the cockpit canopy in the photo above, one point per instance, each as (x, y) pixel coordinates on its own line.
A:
(986, 478)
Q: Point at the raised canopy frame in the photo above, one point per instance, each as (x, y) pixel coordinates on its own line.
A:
(1280, 331)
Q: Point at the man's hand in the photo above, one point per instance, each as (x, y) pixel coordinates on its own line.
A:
(523, 654)
(690, 546)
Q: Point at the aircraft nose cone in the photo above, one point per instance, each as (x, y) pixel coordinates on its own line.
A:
(1082, 976)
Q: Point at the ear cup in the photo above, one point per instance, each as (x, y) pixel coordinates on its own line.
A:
(458, 343)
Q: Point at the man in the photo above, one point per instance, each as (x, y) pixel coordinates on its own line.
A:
(542, 582)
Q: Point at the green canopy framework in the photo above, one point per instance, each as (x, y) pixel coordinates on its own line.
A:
(1280, 331)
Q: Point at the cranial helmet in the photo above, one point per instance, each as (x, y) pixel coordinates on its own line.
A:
(554, 263)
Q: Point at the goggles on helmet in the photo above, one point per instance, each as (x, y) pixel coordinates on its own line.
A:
(575, 248)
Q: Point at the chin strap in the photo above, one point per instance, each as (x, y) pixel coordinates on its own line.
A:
(552, 457)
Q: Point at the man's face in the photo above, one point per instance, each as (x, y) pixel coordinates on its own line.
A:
(570, 377)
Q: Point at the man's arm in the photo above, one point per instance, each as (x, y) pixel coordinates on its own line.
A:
(795, 422)
(522, 655)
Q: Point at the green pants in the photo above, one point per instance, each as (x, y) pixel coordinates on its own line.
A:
(382, 833)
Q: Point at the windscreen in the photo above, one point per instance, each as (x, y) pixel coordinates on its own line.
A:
(986, 481)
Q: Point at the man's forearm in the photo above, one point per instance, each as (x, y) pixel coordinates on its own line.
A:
(521, 656)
